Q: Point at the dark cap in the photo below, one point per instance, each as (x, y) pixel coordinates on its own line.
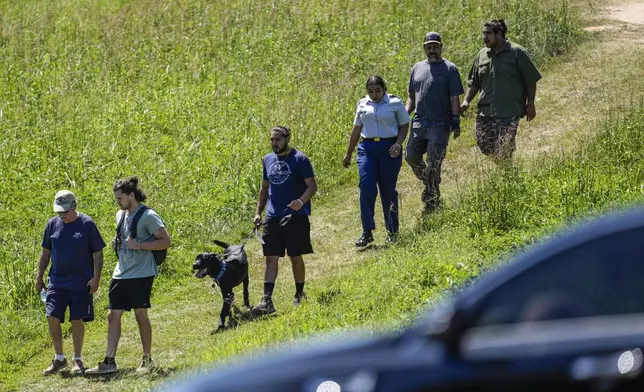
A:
(433, 38)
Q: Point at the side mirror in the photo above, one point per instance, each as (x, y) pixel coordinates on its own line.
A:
(447, 324)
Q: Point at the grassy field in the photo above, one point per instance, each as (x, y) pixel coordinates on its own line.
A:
(183, 94)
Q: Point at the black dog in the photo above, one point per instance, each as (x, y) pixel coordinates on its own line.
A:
(227, 273)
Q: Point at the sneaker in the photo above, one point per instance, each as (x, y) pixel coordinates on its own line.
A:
(265, 306)
(79, 367)
(55, 367)
(365, 239)
(147, 365)
(102, 368)
(299, 299)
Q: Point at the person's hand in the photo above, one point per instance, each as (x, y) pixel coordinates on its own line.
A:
(530, 111)
(132, 244)
(296, 204)
(40, 284)
(464, 106)
(93, 285)
(455, 125)
(257, 219)
(395, 150)
(346, 161)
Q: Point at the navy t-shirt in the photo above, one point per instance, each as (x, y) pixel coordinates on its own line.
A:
(285, 176)
(72, 246)
(432, 85)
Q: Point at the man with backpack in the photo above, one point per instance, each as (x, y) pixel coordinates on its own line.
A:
(140, 244)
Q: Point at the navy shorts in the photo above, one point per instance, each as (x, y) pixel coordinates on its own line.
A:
(128, 294)
(80, 303)
(293, 237)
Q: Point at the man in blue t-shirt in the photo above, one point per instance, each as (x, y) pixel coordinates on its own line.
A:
(434, 90)
(75, 247)
(287, 188)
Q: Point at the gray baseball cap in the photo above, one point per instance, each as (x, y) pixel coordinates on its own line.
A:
(63, 201)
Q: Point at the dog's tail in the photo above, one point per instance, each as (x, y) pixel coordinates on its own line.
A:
(221, 243)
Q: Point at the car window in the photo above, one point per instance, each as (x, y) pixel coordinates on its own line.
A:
(602, 277)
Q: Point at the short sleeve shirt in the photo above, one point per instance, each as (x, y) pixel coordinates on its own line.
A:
(381, 119)
(501, 79)
(285, 176)
(72, 247)
(137, 263)
(432, 85)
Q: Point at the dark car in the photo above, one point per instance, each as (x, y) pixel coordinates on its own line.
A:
(566, 316)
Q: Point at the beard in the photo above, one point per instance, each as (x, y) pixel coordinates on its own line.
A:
(279, 151)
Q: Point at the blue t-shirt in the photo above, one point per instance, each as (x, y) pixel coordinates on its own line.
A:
(285, 176)
(432, 85)
(72, 246)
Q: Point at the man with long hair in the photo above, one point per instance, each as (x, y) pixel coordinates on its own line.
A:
(131, 284)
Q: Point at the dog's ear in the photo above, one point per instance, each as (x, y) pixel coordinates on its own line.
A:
(221, 243)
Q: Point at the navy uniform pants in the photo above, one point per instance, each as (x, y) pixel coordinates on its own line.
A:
(378, 170)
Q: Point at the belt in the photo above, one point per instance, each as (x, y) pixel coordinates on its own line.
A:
(377, 139)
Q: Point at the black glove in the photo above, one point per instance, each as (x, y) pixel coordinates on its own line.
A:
(455, 123)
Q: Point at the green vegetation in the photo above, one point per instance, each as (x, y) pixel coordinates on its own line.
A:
(183, 93)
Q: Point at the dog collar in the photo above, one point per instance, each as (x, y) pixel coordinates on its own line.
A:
(221, 272)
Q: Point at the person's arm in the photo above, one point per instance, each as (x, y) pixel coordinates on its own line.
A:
(530, 110)
(473, 86)
(261, 202)
(531, 76)
(98, 270)
(161, 241)
(43, 262)
(455, 123)
(410, 106)
(311, 189)
(469, 96)
(353, 141)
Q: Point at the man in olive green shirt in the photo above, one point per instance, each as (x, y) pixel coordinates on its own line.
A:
(507, 80)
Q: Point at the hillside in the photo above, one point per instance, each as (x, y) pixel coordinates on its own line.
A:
(182, 94)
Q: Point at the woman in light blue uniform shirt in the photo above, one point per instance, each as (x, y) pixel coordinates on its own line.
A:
(380, 124)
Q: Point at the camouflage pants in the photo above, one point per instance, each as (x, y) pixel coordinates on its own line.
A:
(433, 142)
(496, 136)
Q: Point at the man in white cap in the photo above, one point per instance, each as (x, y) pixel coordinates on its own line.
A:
(75, 246)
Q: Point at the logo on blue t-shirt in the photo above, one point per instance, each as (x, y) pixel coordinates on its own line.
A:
(78, 235)
(278, 172)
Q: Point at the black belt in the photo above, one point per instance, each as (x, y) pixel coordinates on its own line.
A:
(377, 139)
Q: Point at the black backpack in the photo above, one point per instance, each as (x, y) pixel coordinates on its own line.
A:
(159, 255)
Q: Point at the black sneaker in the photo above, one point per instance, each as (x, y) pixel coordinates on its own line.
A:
(55, 367)
(265, 306)
(299, 298)
(365, 239)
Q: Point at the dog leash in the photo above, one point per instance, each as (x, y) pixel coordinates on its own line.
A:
(256, 233)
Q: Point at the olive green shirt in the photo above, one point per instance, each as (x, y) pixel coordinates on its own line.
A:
(501, 78)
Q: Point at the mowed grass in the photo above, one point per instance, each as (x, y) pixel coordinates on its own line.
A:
(183, 94)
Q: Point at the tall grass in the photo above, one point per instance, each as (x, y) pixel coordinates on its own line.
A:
(183, 93)
(552, 190)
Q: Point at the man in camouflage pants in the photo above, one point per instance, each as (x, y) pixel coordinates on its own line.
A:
(507, 80)
(434, 90)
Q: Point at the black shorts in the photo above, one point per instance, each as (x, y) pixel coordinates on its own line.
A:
(294, 236)
(127, 294)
